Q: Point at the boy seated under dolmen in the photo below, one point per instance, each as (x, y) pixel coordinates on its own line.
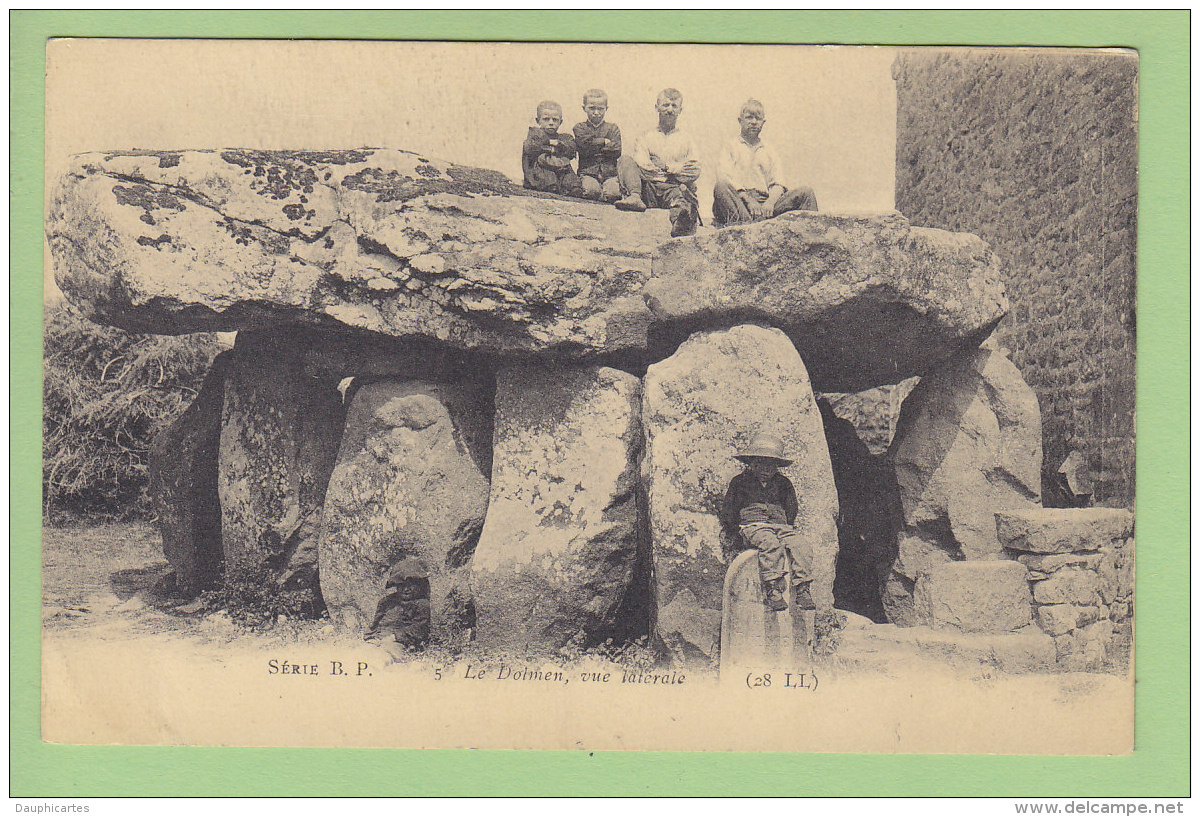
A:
(403, 612)
(599, 146)
(546, 155)
(760, 505)
(748, 187)
(663, 169)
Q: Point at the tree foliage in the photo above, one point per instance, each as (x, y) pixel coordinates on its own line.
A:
(105, 394)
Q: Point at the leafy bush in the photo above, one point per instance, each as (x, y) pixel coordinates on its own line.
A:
(105, 394)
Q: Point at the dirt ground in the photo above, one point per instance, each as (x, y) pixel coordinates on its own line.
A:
(123, 663)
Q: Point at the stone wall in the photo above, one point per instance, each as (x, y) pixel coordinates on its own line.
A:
(1036, 152)
(1080, 564)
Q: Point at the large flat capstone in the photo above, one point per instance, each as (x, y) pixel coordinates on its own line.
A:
(393, 243)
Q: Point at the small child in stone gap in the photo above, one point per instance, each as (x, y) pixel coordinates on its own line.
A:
(599, 146)
(404, 609)
(761, 505)
(546, 155)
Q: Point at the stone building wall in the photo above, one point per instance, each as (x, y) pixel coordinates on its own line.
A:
(1036, 152)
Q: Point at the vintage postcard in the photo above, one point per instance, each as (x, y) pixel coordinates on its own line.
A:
(589, 396)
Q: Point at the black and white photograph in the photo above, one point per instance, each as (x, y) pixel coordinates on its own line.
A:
(589, 396)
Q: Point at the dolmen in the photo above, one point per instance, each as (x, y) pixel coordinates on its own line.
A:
(538, 397)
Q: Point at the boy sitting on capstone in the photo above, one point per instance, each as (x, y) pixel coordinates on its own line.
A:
(403, 612)
(663, 170)
(761, 505)
(748, 187)
(546, 155)
(599, 146)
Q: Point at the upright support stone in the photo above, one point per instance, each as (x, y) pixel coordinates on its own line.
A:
(408, 482)
(183, 485)
(279, 434)
(753, 636)
(560, 549)
(700, 404)
(968, 443)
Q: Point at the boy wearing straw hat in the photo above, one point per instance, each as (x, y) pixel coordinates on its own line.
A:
(761, 505)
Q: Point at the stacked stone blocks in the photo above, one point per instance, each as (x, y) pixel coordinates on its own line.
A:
(1080, 564)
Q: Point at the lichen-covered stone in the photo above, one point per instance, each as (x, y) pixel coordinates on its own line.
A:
(183, 485)
(1062, 530)
(561, 548)
(968, 442)
(378, 240)
(910, 297)
(279, 436)
(407, 483)
(389, 242)
(974, 597)
(700, 405)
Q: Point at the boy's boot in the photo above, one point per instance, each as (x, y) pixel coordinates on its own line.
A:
(804, 599)
(773, 595)
(682, 221)
(633, 203)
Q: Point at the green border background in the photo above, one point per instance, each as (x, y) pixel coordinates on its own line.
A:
(1158, 767)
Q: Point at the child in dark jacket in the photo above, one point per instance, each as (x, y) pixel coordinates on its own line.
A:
(403, 612)
(599, 146)
(546, 155)
(761, 505)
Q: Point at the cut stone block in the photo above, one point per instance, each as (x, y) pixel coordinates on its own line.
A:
(1062, 530)
(1070, 585)
(563, 540)
(974, 597)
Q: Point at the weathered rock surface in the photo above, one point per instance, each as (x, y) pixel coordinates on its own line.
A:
(910, 297)
(974, 597)
(1071, 585)
(407, 483)
(968, 442)
(1085, 649)
(1062, 530)
(279, 435)
(560, 547)
(699, 406)
(390, 242)
(183, 485)
(887, 647)
(753, 636)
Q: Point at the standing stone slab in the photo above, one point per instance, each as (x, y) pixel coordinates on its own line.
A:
(974, 597)
(560, 546)
(407, 483)
(183, 485)
(279, 434)
(700, 405)
(968, 442)
(1062, 530)
(752, 636)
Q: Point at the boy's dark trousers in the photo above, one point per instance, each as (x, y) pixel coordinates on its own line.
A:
(728, 207)
(676, 195)
(774, 543)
